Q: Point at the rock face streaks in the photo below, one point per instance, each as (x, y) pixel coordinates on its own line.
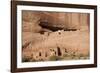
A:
(48, 36)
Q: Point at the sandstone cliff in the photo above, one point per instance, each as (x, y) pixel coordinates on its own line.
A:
(70, 40)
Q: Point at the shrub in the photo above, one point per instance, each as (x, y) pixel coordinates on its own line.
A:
(55, 58)
(25, 59)
(28, 59)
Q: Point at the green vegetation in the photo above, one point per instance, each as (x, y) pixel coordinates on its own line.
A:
(28, 59)
(25, 59)
(55, 58)
(75, 56)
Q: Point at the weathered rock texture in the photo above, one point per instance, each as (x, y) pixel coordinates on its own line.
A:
(41, 43)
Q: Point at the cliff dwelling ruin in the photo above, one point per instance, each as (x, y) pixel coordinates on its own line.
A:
(52, 36)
